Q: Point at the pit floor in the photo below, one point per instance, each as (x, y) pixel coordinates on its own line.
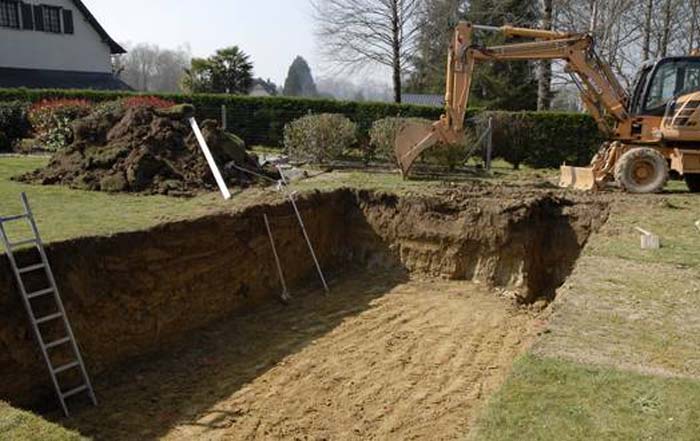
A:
(382, 357)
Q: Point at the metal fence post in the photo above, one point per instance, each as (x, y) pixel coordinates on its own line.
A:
(224, 120)
(489, 144)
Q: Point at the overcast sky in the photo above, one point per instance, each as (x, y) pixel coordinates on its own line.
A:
(272, 32)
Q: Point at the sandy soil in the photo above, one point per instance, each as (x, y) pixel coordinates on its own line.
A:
(382, 357)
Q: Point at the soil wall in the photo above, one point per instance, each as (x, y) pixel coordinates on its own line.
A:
(525, 243)
(131, 293)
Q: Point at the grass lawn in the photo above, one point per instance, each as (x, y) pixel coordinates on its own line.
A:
(63, 213)
(548, 399)
(619, 360)
(17, 425)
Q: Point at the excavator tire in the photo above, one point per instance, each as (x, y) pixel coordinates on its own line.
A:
(692, 180)
(642, 170)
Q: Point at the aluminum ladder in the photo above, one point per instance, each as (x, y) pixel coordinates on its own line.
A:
(59, 315)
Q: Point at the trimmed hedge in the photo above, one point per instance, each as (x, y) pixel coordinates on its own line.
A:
(544, 139)
(538, 139)
(258, 120)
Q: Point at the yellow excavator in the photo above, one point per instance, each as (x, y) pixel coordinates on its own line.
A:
(652, 130)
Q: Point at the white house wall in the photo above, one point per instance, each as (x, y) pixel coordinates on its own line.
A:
(83, 51)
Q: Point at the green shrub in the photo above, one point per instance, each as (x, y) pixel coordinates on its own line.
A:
(14, 124)
(446, 155)
(383, 134)
(319, 138)
(5, 144)
(51, 120)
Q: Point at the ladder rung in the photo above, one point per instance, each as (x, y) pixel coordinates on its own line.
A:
(75, 391)
(60, 342)
(31, 268)
(43, 292)
(48, 318)
(66, 367)
(13, 218)
(24, 242)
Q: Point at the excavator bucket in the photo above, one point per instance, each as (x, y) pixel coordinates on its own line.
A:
(579, 178)
(412, 139)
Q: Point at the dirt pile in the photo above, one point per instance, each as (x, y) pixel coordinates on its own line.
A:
(145, 150)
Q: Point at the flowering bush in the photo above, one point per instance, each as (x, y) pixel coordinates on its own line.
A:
(146, 101)
(319, 138)
(51, 120)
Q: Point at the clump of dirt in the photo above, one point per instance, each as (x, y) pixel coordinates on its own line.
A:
(146, 150)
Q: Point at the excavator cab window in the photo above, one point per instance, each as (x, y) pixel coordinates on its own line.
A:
(640, 84)
(671, 78)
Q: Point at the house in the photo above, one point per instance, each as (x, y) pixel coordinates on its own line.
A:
(55, 44)
(263, 88)
(423, 100)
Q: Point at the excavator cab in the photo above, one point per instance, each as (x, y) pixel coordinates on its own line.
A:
(659, 83)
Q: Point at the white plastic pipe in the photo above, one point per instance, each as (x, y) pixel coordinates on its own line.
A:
(210, 159)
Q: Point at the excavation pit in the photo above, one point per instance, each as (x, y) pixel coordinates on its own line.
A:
(181, 327)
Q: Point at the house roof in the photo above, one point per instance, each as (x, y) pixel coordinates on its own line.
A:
(267, 86)
(423, 100)
(59, 79)
(115, 47)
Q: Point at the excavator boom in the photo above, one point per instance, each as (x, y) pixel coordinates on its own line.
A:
(602, 93)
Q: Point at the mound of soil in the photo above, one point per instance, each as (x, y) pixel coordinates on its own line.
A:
(148, 151)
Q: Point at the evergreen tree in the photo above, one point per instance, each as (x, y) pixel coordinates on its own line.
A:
(509, 85)
(299, 80)
(503, 85)
(227, 71)
(438, 19)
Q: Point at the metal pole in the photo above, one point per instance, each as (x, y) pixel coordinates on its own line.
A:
(290, 196)
(224, 120)
(489, 144)
(285, 293)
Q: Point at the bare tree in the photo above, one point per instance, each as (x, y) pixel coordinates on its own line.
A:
(693, 23)
(648, 29)
(147, 67)
(353, 33)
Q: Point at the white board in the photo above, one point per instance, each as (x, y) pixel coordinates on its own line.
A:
(210, 159)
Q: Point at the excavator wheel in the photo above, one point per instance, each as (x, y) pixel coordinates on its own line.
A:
(692, 180)
(642, 170)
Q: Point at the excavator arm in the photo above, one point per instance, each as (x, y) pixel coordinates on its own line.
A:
(601, 91)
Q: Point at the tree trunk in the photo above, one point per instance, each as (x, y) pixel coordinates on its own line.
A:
(544, 90)
(594, 17)
(646, 48)
(396, 48)
(666, 31)
(694, 6)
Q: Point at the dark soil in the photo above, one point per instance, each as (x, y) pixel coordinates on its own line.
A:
(148, 151)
